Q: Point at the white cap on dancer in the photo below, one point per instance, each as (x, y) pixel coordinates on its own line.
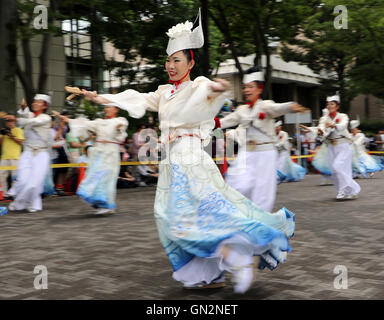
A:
(255, 76)
(43, 97)
(278, 124)
(334, 98)
(182, 36)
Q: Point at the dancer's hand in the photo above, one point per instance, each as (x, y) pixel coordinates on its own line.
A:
(220, 85)
(298, 108)
(23, 104)
(330, 125)
(320, 132)
(119, 126)
(9, 117)
(89, 95)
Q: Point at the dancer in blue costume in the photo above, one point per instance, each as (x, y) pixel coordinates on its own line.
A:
(205, 227)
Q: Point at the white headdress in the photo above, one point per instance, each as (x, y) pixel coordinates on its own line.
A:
(255, 76)
(182, 36)
(355, 123)
(334, 98)
(278, 123)
(43, 97)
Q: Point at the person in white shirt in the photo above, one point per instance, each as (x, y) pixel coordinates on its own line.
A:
(35, 159)
(254, 173)
(334, 129)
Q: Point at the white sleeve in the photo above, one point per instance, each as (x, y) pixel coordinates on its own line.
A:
(230, 120)
(134, 102)
(343, 124)
(27, 118)
(204, 103)
(275, 110)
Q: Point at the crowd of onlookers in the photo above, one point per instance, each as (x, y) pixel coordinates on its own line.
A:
(66, 149)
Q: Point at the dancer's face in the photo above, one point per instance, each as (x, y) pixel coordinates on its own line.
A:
(278, 129)
(355, 131)
(332, 106)
(39, 105)
(251, 91)
(177, 66)
(111, 112)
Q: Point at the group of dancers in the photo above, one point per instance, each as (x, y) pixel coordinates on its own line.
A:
(206, 225)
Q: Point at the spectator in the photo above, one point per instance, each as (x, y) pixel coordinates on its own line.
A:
(379, 140)
(11, 140)
(148, 175)
(126, 180)
(61, 156)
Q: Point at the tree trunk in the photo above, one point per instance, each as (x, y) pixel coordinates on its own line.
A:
(227, 35)
(205, 61)
(8, 55)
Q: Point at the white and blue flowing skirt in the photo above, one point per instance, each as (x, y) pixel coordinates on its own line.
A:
(288, 170)
(197, 213)
(99, 185)
(365, 164)
(320, 160)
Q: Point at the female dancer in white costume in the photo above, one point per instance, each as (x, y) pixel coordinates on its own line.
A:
(205, 227)
(338, 147)
(35, 159)
(98, 188)
(363, 163)
(253, 173)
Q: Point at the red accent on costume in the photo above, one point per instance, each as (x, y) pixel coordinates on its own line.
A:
(333, 114)
(36, 113)
(261, 115)
(217, 123)
(177, 82)
(337, 120)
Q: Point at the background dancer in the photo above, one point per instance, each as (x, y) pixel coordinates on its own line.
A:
(334, 128)
(256, 136)
(98, 188)
(35, 160)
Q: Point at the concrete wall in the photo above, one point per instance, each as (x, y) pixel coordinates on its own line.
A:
(367, 107)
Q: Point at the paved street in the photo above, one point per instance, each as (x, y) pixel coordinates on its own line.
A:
(120, 256)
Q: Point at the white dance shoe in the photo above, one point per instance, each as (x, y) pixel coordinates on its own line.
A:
(243, 278)
(104, 211)
(11, 207)
(340, 196)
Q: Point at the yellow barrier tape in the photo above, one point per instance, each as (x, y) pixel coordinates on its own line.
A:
(137, 163)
